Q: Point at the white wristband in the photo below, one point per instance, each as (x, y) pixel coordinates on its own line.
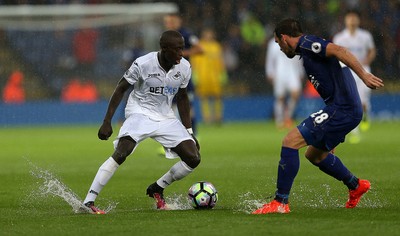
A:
(190, 130)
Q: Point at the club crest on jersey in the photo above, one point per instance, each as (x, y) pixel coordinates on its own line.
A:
(177, 76)
(316, 47)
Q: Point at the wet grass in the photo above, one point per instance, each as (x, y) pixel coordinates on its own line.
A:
(240, 159)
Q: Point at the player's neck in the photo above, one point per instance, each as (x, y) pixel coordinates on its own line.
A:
(163, 63)
(352, 30)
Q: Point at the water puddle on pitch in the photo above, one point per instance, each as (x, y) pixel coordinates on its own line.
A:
(51, 186)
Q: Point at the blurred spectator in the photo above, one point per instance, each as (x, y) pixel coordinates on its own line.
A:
(77, 92)
(241, 25)
(85, 50)
(209, 76)
(252, 30)
(14, 91)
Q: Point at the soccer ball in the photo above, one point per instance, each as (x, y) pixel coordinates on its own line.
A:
(203, 195)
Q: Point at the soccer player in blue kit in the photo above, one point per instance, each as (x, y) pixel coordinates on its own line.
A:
(327, 67)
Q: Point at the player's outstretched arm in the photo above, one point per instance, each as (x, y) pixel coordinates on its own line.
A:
(345, 56)
(105, 130)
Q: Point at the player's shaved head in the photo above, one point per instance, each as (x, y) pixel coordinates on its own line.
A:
(169, 37)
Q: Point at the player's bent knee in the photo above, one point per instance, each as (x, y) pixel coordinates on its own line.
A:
(192, 160)
(124, 148)
(287, 141)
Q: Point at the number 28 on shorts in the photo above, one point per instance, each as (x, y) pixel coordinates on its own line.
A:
(319, 116)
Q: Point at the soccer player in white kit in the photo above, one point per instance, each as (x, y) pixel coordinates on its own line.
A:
(156, 78)
(361, 43)
(285, 75)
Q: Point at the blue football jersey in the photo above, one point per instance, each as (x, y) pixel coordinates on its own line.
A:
(189, 39)
(333, 81)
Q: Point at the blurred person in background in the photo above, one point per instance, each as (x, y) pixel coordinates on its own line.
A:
(13, 91)
(209, 76)
(361, 43)
(285, 76)
(84, 45)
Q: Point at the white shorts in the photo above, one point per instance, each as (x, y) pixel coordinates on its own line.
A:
(363, 90)
(169, 133)
(285, 85)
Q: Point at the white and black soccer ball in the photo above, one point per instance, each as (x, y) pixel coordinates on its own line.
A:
(203, 195)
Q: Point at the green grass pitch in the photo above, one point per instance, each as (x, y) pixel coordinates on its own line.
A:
(240, 159)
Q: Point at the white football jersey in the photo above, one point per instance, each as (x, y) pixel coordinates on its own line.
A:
(359, 44)
(154, 88)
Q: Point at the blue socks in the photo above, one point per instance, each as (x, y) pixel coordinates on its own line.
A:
(289, 166)
(287, 170)
(332, 166)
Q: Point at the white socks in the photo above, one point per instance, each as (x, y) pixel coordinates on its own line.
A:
(106, 171)
(103, 175)
(177, 172)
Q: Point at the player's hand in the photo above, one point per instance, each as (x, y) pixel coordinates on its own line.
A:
(372, 81)
(105, 131)
(197, 142)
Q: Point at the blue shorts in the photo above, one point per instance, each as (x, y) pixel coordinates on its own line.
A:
(328, 127)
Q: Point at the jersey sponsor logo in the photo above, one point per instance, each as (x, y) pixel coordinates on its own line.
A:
(167, 90)
(153, 75)
(316, 47)
(313, 81)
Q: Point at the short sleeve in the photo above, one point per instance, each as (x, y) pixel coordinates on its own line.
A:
(316, 45)
(132, 75)
(186, 78)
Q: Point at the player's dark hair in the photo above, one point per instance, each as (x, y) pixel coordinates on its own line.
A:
(289, 27)
(353, 11)
(168, 36)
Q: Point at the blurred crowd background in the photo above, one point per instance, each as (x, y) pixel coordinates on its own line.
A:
(49, 62)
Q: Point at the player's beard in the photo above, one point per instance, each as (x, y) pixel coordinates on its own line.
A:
(290, 53)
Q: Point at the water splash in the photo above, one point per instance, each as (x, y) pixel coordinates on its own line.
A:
(50, 185)
(178, 202)
(248, 202)
(323, 197)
